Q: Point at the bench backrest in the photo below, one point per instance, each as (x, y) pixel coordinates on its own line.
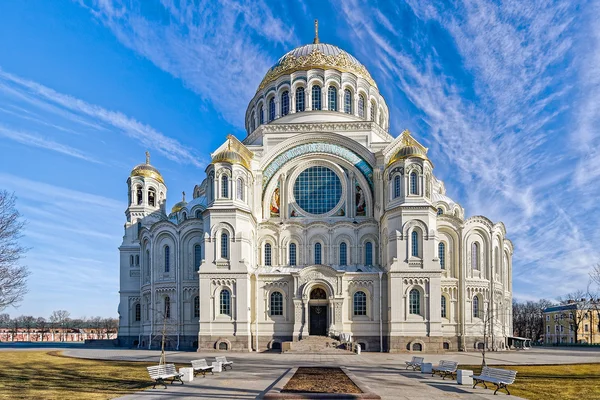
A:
(221, 359)
(156, 370)
(418, 360)
(451, 365)
(170, 369)
(200, 363)
(505, 375)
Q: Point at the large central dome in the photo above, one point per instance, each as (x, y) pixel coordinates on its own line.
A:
(316, 55)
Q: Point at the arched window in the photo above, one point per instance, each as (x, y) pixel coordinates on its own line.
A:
(240, 189)
(372, 111)
(318, 253)
(443, 305)
(414, 244)
(300, 99)
(151, 197)
(184, 215)
(397, 186)
(413, 183)
(261, 115)
(476, 307)
(440, 211)
(285, 103)
(131, 260)
(292, 253)
(347, 101)
(197, 257)
(224, 245)
(138, 195)
(138, 312)
(198, 214)
(252, 122)
(147, 262)
(360, 303)
(225, 302)
(267, 254)
(475, 255)
(316, 97)
(137, 260)
(225, 186)
(343, 254)
(442, 254)
(361, 106)
(276, 303)
(272, 109)
(414, 302)
(332, 97)
(497, 260)
(368, 253)
(197, 307)
(167, 258)
(167, 307)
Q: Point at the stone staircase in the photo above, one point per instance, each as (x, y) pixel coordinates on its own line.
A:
(315, 345)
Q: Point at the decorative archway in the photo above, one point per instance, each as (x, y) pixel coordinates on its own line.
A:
(318, 311)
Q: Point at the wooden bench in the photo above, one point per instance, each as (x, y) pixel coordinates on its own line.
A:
(224, 362)
(499, 377)
(415, 363)
(201, 366)
(445, 368)
(161, 372)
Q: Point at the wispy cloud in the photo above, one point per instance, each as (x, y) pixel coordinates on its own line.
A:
(212, 46)
(95, 117)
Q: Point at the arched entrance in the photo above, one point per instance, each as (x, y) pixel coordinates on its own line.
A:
(317, 310)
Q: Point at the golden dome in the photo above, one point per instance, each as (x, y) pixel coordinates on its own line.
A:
(179, 206)
(147, 171)
(408, 151)
(235, 153)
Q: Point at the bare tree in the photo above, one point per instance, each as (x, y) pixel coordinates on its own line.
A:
(42, 326)
(595, 274)
(13, 277)
(28, 323)
(60, 319)
(96, 325)
(110, 326)
(573, 319)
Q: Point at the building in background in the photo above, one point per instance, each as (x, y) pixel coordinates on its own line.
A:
(574, 322)
(319, 221)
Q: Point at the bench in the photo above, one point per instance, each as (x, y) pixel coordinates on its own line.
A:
(499, 377)
(415, 363)
(225, 363)
(445, 368)
(161, 372)
(200, 366)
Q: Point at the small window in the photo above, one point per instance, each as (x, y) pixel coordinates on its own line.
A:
(271, 109)
(397, 186)
(440, 211)
(138, 196)
(167, 258)
(137, 260)
(442, 254)
(261, 115)
(285, 103)
(167, 307)
(360, 303)
(475, 255)
(476, 307)
(224, 245)
(343, 254)
(318, 253)
(443, 304)
(300, 99)
(316, 97)
(332, 97)
(131, 260)
(223, 346)
(240, 189)
(413, 183)
(372, 111)
(414, 302)
(138, 312)
(197, 257)
(198, 214)
(151, 197)
(225, 186)
(197, 307)
(446, 346)
(225, 302)
(252, 122)
(368, 253)
(268, 254)
(347, 101)
(417, 347)
(276, 303)
(292, 253)
(415, 244)
(361, 106)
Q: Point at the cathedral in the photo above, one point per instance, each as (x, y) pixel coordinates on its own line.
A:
(319, 222)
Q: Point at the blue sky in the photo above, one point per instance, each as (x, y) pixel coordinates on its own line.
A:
(507, 98)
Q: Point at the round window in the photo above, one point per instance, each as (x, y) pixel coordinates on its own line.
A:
(317, 190)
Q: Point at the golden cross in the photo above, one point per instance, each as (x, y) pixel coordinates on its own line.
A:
(316, 32)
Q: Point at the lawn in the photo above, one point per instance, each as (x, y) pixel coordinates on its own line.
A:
(565, 382)
(48, 375)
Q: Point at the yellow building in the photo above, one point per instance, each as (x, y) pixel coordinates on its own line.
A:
(575, 322)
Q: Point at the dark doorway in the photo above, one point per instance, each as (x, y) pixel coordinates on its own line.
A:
(318, 321)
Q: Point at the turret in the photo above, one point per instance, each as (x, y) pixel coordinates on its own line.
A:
(147, 193)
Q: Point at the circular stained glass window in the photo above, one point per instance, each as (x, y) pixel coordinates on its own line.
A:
(317, 190)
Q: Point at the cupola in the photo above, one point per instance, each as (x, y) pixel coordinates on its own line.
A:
(146, 170)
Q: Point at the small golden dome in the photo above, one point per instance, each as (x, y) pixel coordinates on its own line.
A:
(179, 206)
(146, 170)
(408, 151)
(230, 156)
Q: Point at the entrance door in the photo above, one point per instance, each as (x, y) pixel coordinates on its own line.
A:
(318, 321)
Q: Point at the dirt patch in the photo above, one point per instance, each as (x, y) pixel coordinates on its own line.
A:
(320, 380)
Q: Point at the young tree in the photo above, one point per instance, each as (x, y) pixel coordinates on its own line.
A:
(13, 277)
(59, 320)
(110, 326)
(42, 326)
(28, 323)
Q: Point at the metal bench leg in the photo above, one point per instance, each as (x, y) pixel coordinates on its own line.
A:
(159, 381)
(501, 386)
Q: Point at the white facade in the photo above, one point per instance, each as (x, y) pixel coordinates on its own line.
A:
(318, 221)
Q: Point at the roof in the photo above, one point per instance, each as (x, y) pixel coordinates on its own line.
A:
(563, 307)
